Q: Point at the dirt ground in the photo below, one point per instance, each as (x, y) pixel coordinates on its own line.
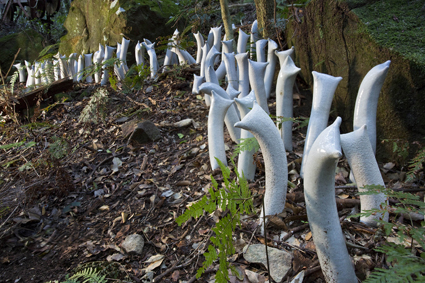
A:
(74, 204)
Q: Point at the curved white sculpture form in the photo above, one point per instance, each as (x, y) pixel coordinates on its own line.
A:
(233, 93)
(227, 48)
(367, 100)
(197, 81)
(231, 115)
(140, 52)
(71, 67)
(80, 69)
(258, 122)
(21, 71)
(123, 54)
(271, 67)
(199, 43)
(242, 42)
(217, 40)
(324, 87)
(230, 64)
(210, 39)
(284, 102)
(260, 49)
(97, 60)
(37, 73)
(246, 164)
(257, 71)
(30, 78)
(49, 76)
(153, 62)
(211, 56)
(188, 57)
(319, 191)
(360, 156)
(218, 109)
(56, 70)
(243, 73)
(63, 64)
(211, 76)
(108, 55)
(205, 51)
(87, 64)
(254, 36)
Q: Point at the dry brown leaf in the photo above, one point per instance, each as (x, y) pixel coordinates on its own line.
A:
(175, 276)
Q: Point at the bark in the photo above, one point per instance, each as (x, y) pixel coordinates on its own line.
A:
(265, 12)
(225, 15)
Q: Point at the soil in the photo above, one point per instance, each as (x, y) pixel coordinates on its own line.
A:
(64, 206)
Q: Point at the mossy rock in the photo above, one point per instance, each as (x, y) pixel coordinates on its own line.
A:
(92, 22)
(30, 42)
(348, 38)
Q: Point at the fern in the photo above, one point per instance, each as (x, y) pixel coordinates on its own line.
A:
(13, 81)
(238, 200)
(415, 165)
(405, 266)
(247, 144)
(89, 275)
(59, 148)
(96, 107)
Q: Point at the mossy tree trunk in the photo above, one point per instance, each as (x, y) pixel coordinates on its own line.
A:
(265, 12)
(225, 15)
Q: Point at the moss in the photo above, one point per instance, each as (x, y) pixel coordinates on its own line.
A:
(165, 8)
(397, 25)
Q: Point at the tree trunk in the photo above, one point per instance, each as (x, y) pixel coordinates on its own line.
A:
(225, 15)
(265, 12)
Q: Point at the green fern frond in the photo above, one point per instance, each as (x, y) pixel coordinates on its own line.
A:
(248, 144)
(89, 275)
(13, 80)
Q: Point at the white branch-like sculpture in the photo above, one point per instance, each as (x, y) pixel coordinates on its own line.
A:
(324, 87)
(243, 73)
(360, 156)
(242, 42)
(270, 70)
(257, 72)
(284, 101)
(319, 191)
(218, 109)
(258, 122)
(260, 50)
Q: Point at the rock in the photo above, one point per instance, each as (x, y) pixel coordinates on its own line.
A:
(280, 261)
(141, 133)
(97, 21)
(30, 42)
(133, 244)
(347, 38)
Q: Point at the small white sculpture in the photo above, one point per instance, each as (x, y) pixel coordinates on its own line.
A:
(199, 43)
(243, 73)
(140, 53)
(230, 64)
(257, 72)
(242, 42)
(284, 101)
(254, 36)
(324, 87)
(197, 81)
(80, 69)
(227, 48)
(271, 67)
(21, 71)
(360, 156)
(218, 109)
(153, 61)
(319, 191)
(258, 122)
(88, 64)
(260, 49)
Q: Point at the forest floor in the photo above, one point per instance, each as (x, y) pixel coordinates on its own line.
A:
(72, 192)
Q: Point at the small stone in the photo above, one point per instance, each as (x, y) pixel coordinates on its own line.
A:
(133, 244)
(149, 89)
(280, 261)
(141, 133)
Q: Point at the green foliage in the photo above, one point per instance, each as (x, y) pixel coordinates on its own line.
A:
(88, 275)
(197, 13)
(95, 109)
(416, 165)
(59, 148)
(246, 145)
(235, 199)
(400, 150)
(300, 122)
(405, 265)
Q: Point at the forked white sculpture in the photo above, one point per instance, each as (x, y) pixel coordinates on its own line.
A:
(257, 71)
(319, 191)
(243, 73)
(270, 70)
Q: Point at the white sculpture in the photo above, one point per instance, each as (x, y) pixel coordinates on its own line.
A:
(153, 61)
(21, 71)
(56, 70)
(258, 122)
(140, 53)
(324, 87)
(218, 109)
(108, 55)
(319, 191)
(199, 43)
(197, 81)
(230, 64)
(271, 67)
(260, 49)
(80, 69)
(88, 64)
(254, 37)
(284, 102)
(246, 164)
(257, 72)
(360, 156)
(123, 54)
(227, 48)
(242, 42)
(243, 73)
(231, 116)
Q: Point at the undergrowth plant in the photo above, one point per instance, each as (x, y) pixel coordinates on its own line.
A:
(88, 275)
(95, 110)
(233, 199)
(406, 263)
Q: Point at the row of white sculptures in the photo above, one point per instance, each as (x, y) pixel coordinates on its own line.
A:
(246, 114)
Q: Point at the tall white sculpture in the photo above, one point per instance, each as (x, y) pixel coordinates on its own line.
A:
(319, 191)
(257, 71)
(243, 73)
(324, 87)
(271, 67)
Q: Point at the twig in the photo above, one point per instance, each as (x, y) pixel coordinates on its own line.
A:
(210, 270)
(10, 215)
